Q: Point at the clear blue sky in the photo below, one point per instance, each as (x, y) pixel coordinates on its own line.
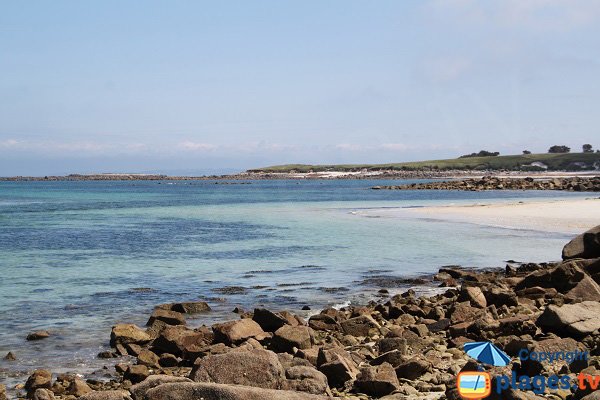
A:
(188, 86)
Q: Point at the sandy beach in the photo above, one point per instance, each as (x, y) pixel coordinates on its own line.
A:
(564, 216)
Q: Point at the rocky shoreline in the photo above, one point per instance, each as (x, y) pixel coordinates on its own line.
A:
(575, 184)
(405, 347)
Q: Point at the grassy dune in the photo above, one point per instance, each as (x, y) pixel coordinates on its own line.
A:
(555, 162)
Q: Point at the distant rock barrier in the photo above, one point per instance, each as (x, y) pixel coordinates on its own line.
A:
(576, 184)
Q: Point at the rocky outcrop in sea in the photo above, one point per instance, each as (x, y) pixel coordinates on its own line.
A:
(405, 347)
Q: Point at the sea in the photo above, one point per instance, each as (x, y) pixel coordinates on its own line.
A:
(78, 257)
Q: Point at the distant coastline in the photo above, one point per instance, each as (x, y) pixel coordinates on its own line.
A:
(537, 165)
(348, 175)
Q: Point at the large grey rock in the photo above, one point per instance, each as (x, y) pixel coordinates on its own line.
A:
(305, 379)
(107, 395)
(563, 277)
(139, 391)
(169, 317)
(474, 295)
(289, 337)
(413, 368)
(270, 321)
(337, 364)
(128, 333)
(577, 320)
(212, 391)
(234, 332)
(586, 245)
(259, 368)
(586, 290)
(377, 381)
(178, 340)
(359, 326)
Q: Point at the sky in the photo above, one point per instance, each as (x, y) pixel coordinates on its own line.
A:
(200, 87)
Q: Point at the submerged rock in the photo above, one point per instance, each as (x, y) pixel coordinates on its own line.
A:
(38, 335)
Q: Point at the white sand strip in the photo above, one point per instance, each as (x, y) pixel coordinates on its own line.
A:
(571, 216)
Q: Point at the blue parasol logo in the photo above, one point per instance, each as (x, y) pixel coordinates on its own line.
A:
(487, 353)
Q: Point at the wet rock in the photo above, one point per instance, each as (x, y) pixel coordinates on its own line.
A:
(231, 290)
(139, 390)
(211, 391)
(39, 379)
(10, 356)
(128, 333)
(234, 332)
(378, 380)
(107, 354)
(359, 326)
(136, 373)
(38, 335)
(260, 368)
(167, 316)
(289, 337)
(586, 245)
(2, 392)
(191, 307)
(579, 319)
(305, 379)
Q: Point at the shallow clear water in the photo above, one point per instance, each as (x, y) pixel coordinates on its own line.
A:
(78, 257)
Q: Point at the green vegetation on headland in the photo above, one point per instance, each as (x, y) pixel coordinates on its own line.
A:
(521, 162)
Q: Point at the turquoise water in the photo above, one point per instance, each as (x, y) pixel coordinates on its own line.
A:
(78, 257)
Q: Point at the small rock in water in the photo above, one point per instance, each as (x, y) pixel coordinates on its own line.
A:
(305, 308)
(231, 290)
(38, 335)
(10, 356)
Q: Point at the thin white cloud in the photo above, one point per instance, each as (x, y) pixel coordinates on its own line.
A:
(533, 15)
(197, 146)
(446, 69)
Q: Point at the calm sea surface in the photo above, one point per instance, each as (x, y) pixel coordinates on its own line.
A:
(78, 257)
